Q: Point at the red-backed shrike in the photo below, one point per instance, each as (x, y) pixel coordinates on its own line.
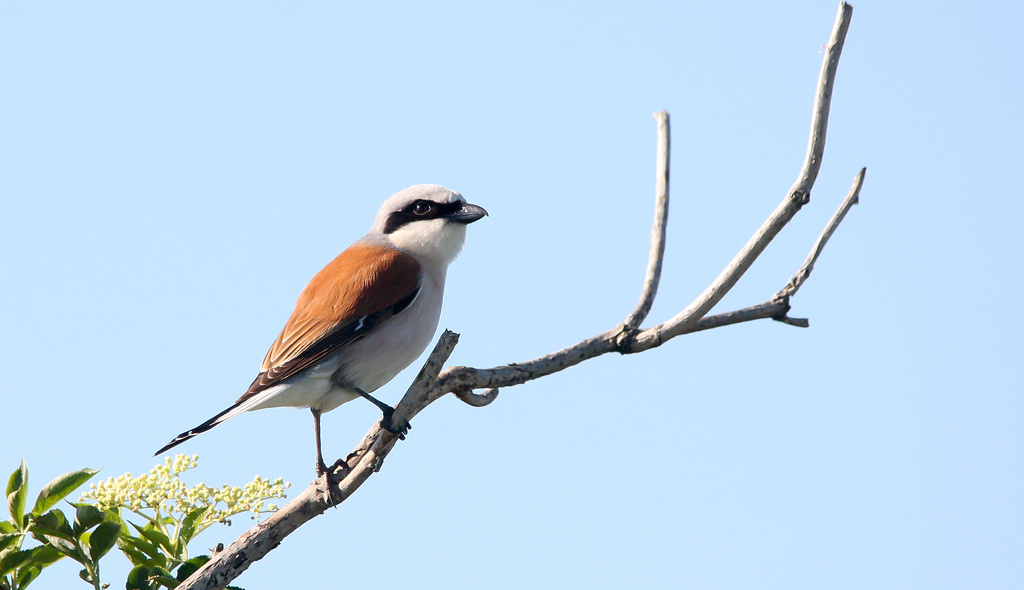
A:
(366, 316)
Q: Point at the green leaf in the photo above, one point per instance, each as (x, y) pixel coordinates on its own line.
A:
(26, 575)
(138, 579)
(155, 536)
(134, 555)
(165, 580)
(25, 566)
(35, 558)
(56, 490)
(53, 529)
(103, 539)
(155, 557)
(14, 560)
(45, 555)
(69, 548)
(114, 515)
(8, 539)
(149, 578)
(143, 545)
(53, 524)
(86, 517)
(189, 567)
(189, 523)
(17, 491)
(6, 527)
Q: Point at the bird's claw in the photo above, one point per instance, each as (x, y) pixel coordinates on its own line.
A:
(335, 472)
(342, 466)
(400, 429)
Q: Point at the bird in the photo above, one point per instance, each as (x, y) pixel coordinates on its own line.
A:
(365, 316)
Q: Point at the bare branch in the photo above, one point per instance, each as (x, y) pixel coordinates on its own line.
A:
(822, 102)
(422, 391)
(798, 196)
(463, 379)
(432, 383)
(658, 230)
(774, 309)
(852, 198)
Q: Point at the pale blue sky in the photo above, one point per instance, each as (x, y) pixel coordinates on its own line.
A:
(171, 174)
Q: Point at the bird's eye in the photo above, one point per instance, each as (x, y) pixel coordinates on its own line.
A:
(422, 208)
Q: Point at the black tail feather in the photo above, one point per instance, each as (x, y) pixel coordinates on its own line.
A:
(184, 436)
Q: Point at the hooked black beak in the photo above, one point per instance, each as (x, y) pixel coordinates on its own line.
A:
(468, 214)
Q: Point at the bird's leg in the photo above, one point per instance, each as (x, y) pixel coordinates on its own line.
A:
(388, 412)
(321, 467)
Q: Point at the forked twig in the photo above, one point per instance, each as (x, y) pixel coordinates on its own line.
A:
(852, 198)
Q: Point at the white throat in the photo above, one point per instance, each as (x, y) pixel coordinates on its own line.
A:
(437, 240)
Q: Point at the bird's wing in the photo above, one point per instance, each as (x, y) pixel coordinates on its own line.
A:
(363, 287)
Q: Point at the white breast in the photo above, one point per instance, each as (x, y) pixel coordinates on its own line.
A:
(377, 358)
(368, 363)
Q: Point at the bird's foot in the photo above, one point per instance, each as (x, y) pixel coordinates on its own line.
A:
(339, 470)
(333, 474)
(397, 428)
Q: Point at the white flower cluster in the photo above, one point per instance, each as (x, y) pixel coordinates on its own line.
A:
(161, 491)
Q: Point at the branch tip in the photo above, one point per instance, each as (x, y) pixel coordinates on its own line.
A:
(798, 322)
(804, 272)
(659, 227)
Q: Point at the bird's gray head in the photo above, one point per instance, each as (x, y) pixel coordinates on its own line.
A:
(427, 220)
